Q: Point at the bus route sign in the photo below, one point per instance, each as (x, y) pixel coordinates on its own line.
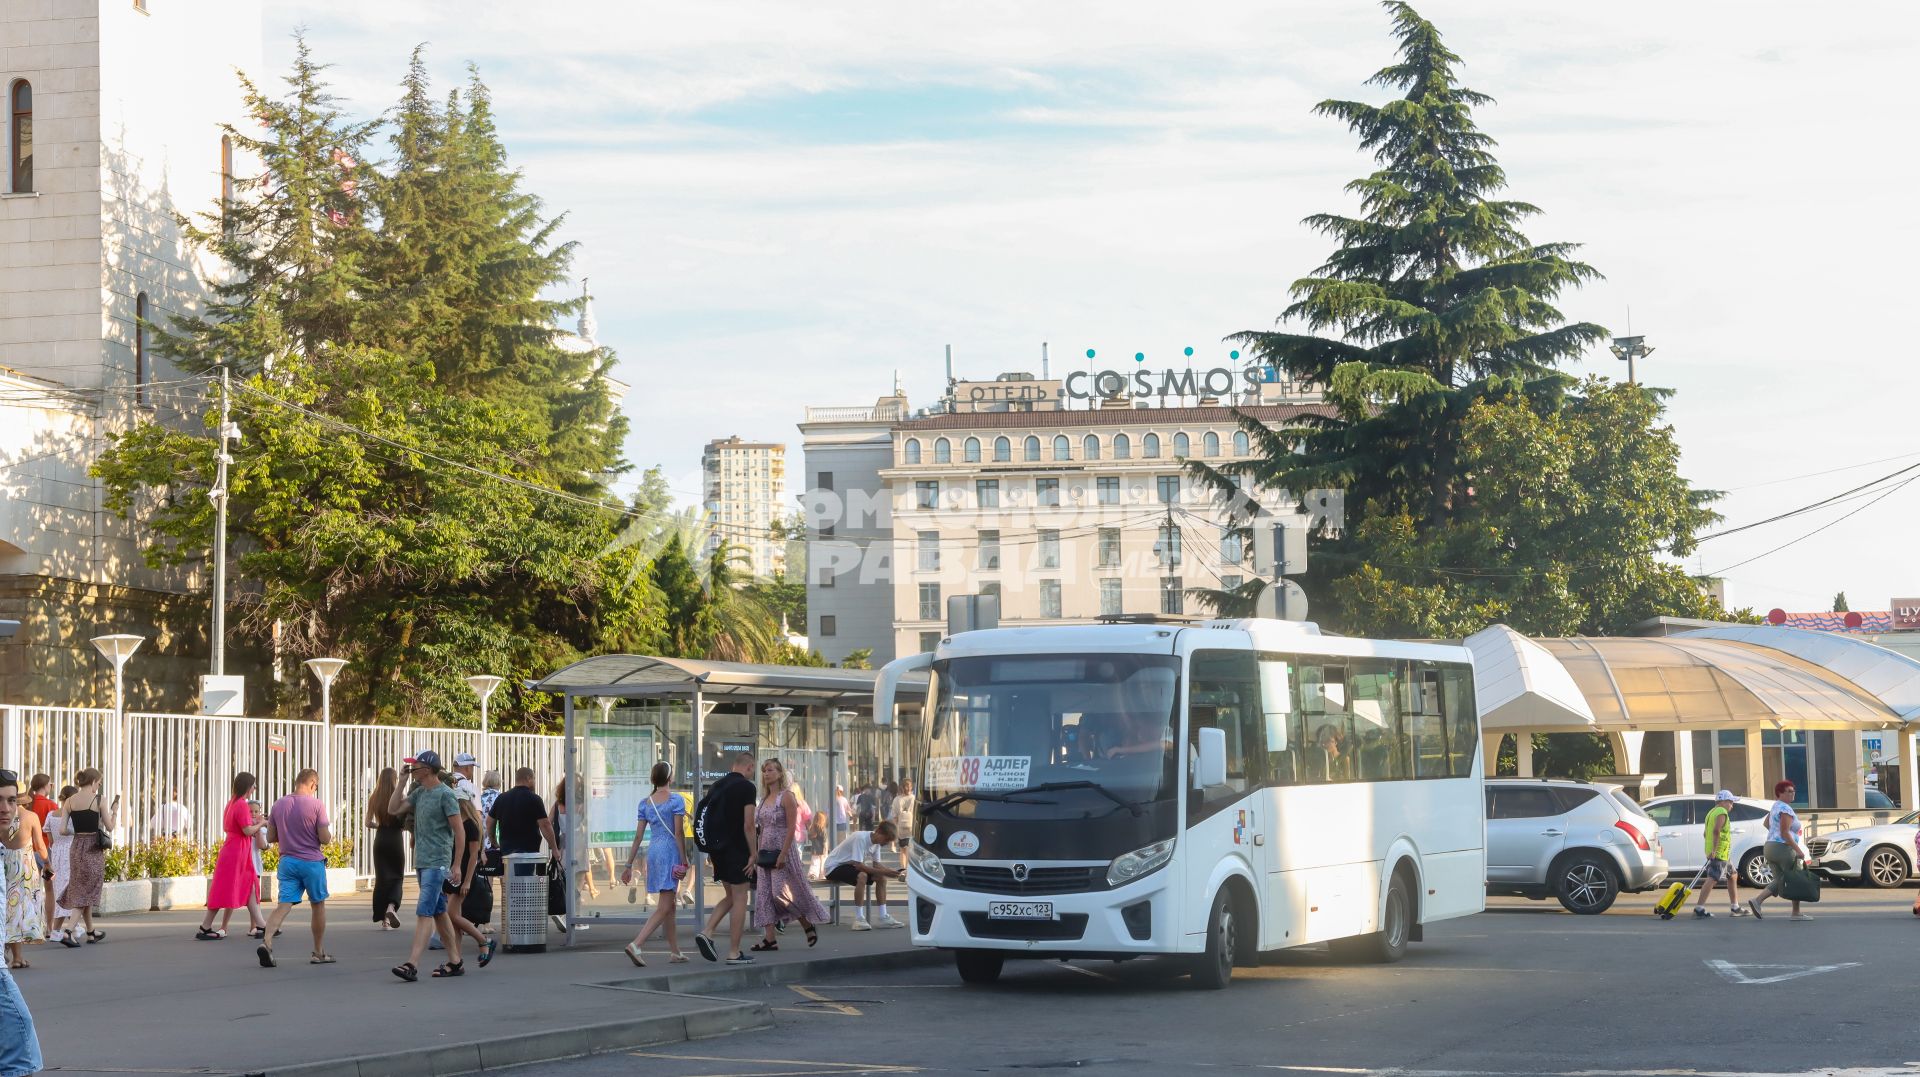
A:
(978, 771)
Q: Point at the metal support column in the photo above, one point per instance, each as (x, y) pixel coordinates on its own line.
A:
(573, 813)
(698, 752)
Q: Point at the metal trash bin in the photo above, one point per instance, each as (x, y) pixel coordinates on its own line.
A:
(525, 895)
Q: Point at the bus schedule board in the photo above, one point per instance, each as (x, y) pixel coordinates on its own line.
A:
(969, 772)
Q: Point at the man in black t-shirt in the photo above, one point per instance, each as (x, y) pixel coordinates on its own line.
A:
(732, 857)
(519, 818)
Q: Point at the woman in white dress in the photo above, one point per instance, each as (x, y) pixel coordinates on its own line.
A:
(59, 838)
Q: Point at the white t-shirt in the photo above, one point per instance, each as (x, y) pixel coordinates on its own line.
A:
(1777, 827)
(856, 847)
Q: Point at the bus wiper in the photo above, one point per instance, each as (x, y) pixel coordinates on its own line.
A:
(1048, 787)
(951, 799)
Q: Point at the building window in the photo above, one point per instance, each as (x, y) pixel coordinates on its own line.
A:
(1181, 446)
(926, 494)
(1233, 547)
(826, 480)
(928, 545)
(20, 136)
(986, 493)
(1049, 548)
(1046, 493)
(1062, 448)
(1210, 444)
(1231, 582)
(1150, 446)
(989, 551)
(826, 531)
(140, 373)
(826, 577)
(970, 451)
(929, 602)
(1049, 598)
(991, 589)
(1109, 547)
(1032, 447)
(1090, 447)
(1241, 446)
(1173, 597)
(942, 451)
(1169, 487)
(911, 454)
(828, 624)
(1108, 489)
(1166, 547)
(1110, 597)
(929, 641)
(1002, 450)
(1122, 447)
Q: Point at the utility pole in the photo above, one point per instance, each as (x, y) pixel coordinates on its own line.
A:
(219, 496)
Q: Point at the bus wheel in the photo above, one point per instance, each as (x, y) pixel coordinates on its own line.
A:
(978, 966)
(1390, 942)
(1212, 970)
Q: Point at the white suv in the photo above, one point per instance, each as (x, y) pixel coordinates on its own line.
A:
(1576, 841)
(1683, 835)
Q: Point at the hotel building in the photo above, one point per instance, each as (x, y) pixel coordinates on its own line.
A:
(745, 482)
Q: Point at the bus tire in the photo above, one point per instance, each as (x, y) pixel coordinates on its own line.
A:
(978, 966)
(1390, 942)
(1213, 969)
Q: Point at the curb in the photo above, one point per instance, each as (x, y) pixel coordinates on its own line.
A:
(738, 977)
(546, 1045)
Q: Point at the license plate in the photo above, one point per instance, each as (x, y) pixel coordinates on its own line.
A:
(1020, 910)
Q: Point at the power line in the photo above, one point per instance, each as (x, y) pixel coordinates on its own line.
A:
(1828, 471)
(1830, 523)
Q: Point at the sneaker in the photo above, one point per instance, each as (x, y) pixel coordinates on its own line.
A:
(887, 920)
(740, 959)
(1799, 916)
(859, 924)
(706, 946)
(392, 921)
(559, 924)
(1736, 910)
(1753, 905)
(1701, 914)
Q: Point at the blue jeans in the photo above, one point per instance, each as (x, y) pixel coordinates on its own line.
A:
(19, 1046)
(433, 900)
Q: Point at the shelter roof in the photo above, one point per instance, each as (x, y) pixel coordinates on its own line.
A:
(633, 676)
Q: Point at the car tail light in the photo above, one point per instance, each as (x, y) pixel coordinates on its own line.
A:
(1639, 839)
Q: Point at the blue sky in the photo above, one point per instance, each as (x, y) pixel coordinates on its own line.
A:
(782, 204)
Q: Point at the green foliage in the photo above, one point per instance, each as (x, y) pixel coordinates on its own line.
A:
(1840, 602)
(338, 853)
(785, 597)
(1579, 756)
(858, 658)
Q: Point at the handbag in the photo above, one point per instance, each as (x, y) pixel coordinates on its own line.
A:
(103, 840)
(1799, 884)
(767, 858)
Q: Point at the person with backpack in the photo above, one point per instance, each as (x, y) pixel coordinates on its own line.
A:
(723, 828)
(865, 803)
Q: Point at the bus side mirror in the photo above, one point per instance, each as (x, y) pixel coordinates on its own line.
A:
(887, 684)
(1210, 758)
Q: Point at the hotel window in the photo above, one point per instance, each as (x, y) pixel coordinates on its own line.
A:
(942, 451)
(1241, 445)
(990, 551)
(828, 624)
(826, 577)
(1110, 605)
(1049, 598)
(1166, 547)
(825, 483)
(1169, 488)
(928, 547)
(1122, 447)
(1046, 493)
(911, 454)
(929, 641)
(1090, 447)
(1180, 445)
(1049, 548)
(970, 451)
(1108, 488)
(929, 602)
(1210, 445)
(986, 493)
(926, 494)
(1150, 446)
(20, 136)
(140, 373)
(1062, 448)
(1173, 597)
(1233, 547)
(1109, 547)
(1033, 450)
(1002, 450)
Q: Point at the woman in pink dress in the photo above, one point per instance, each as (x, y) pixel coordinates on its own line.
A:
(783, 892)
(234, 879)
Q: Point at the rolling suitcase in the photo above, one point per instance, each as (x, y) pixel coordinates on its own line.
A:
(1675, 898)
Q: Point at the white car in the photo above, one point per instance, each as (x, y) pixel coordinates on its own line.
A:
(1683, 834)
(1880, 856)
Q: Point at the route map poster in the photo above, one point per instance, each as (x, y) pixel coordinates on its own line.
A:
(619, 759)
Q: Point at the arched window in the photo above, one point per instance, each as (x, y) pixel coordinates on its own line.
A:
(1210, 445)
(970, 451)
(1002, 450)
(911, 453)
(20, 136)
(1180, 445)
(1122, 447)
(1033, 448)
(942, 451)
(1241, 446)
(1062, 448)
(140, 373)
(1150, 446)
(1090, 447)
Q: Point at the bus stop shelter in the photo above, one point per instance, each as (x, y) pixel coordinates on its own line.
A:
(622, 713)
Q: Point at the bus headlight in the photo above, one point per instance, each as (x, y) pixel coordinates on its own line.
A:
(1143, 861)
(926, 862)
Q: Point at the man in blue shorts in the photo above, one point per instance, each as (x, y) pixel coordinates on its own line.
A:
(298, 824)
(439, 843)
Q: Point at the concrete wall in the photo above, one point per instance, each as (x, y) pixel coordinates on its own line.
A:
(857, 557)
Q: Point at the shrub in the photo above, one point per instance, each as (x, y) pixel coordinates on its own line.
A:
(338, 854)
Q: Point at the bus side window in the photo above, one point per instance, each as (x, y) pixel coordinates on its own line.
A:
(1224, 694)
(1427, 723)
(1463, 718)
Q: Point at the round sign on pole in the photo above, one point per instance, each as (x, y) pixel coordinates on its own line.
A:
(1776, 617)
(1284, 601)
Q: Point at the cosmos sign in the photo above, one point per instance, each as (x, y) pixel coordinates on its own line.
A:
(1142, 383)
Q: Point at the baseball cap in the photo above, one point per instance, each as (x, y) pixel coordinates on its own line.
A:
(425, 757)
(465, 759)
(1723, 794)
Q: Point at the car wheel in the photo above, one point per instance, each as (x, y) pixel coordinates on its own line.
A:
(978, 966)
(1756, 871)
(1586, 885)
(1390, 942)
(1214, 968)
(1884, 868)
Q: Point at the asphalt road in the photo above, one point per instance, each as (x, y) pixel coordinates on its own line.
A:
(1521, 989)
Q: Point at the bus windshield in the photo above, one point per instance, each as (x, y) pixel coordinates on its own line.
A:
(1012, 722)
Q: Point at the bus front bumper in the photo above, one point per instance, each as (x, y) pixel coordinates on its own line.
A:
(1133, 920)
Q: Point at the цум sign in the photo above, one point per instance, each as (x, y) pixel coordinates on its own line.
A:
(1906, 614)
(1220, 381)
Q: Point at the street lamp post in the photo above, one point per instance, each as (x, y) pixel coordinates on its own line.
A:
(326, 669)
(1629, 349)
(483, 685)
(117, 649)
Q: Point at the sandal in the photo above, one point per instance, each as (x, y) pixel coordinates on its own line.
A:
(265, 954)
(208, 934)
(320, 959)
(678, 959)
(69, 941)
(406, 971)
(763, 946)
(96, 936)
(813, 937)
(451, 968)
(486, 952)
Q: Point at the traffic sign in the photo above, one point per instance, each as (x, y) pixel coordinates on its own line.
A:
(1283, 601)
(1283, 542)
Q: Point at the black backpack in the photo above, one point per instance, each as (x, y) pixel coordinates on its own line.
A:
(711, 834)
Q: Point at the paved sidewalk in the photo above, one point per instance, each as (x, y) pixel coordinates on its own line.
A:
(152, 999)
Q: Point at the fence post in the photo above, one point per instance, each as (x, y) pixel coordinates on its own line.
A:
(13, 746)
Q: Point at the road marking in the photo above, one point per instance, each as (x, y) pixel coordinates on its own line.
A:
(821, 1067)
(1856, 1071)
(826, 1003)
(1736, 974)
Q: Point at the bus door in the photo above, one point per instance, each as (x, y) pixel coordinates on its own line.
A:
(1229, 821)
